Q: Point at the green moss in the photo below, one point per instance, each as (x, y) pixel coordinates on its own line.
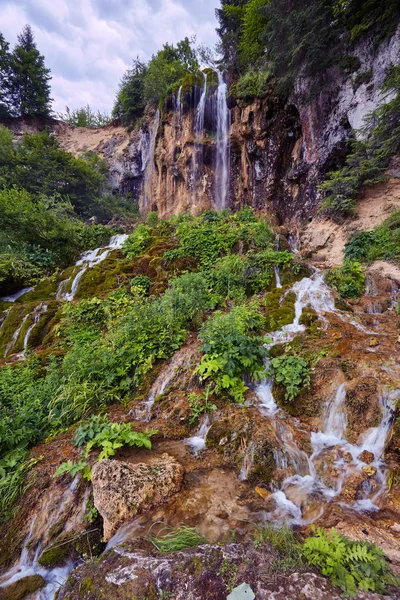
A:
(23, 587)
(308, 317)
(45, 290)
(86, 585)
(10, 326)
(279, 309)
(54, 557)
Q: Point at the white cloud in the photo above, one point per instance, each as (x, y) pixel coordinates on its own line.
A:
(88, 46)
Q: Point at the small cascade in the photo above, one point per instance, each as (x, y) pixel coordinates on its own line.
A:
(148, 161)
(291, 498)
(165, 378)
(15, 337)
(37, 313)
(178, 113)
(222, 164)
(294, 242)
(52, 511)
(198, 441)
(3, 317)
(89, 259)
(248, 460)
(198, 135)
(276, 269)
(17, 295)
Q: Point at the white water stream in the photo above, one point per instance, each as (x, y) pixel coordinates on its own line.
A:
(222, 164)
(89, 259)
(148, 166)
(294, 492)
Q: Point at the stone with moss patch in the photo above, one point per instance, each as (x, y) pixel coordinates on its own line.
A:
(22, 588)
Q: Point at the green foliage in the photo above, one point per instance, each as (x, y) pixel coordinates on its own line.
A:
(200, 404)
(348, 280)
(130, 102)
(253, 84)
(85, 117)
(152, 219)
(293, 373)
(140, 285)
(74, 469)
(114, 436)
(88, 431)
(350, 565)
(230, 352)
(5, 73)
(370, 153)
(29, 87)
(137, 242)
(251, 45)
(282, 539)
(382, 243)
(177, 539)
(13, 468)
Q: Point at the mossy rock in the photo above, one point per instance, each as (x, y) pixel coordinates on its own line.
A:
(22, 588)
(10, 326)
(54, 557)
(45, 290)
(308, 317)
(279, 309)
(341, 304)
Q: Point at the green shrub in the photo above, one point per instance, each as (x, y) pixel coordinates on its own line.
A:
(200, 404)
(348, 280)
(14, 466)
(350, 565)
(137, 242)
(293, 373)
(140, 285)
(382, 243)
(229, 352)
(114, 436)
(252, 84)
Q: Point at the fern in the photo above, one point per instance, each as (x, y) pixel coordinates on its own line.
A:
(350, 565)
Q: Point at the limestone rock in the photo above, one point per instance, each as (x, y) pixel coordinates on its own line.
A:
(367, 457)
(351, 487)
(373, 342)
(262, 492)
(122, 490)
(369, 471)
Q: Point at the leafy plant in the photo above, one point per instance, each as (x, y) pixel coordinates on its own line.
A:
(348, 280)
(229, 352)
(114, 436)
(293, 373)
(14, 466)
(88, 431)
(137, 242)
(140, 285)
(350, 565)
(200, 404)
(73, 469)
(177, 539)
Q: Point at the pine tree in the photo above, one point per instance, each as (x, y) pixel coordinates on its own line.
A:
(4, 77)
(30, 89)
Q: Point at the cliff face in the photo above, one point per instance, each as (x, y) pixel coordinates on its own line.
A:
(277, 152)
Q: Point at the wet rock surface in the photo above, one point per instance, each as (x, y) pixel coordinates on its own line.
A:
(121, 490)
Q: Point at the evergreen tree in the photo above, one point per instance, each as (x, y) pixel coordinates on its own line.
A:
(4, 77)
(30, 89)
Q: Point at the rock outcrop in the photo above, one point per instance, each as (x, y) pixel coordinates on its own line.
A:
(122, 490)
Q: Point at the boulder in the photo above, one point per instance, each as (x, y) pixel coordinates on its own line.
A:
(367, 457)
(121, 490)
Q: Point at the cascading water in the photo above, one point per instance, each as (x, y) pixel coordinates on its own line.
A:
(198, 441)
(17, 295)
(308, 482)
(199, 134)
(36, 315)
(222, 163)
(89, 259)
(178, 113)
(148, 161)
(15, 337)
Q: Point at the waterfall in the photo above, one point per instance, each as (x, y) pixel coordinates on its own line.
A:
(198, 441)
(178, 113)
(248, 460)
(37, 313)
(198, 135)
(17, 295)
(89, 259)
(222, 165)
(15, 337)
(148, 161)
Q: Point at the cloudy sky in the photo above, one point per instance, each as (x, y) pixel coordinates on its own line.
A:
(89, 44)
